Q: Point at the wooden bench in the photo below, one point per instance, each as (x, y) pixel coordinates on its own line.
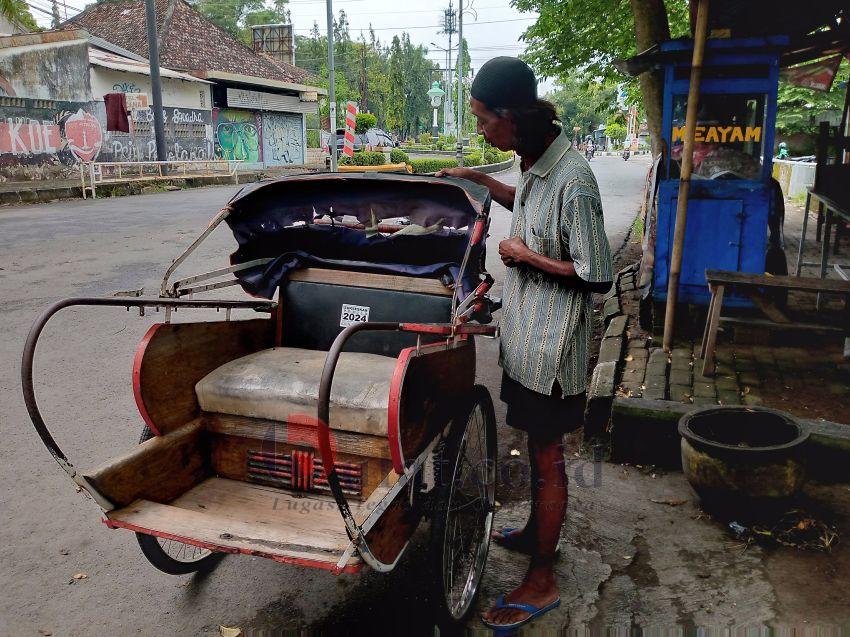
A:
(754, 286)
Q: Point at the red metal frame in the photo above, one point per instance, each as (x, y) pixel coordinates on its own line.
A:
(137, 376)
(299, 561)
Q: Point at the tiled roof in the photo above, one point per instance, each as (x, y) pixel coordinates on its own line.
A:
(188, 40)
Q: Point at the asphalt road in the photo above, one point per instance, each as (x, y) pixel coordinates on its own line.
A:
(50, 533)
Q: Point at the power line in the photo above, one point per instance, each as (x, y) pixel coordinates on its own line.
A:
(429, 26)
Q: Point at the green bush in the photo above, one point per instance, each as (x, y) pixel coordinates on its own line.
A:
(472, 159)
(364, 159)
(421, 166)
(364, 122)
(425, 138)
(408, 142)
(314, 139)
(398, 156)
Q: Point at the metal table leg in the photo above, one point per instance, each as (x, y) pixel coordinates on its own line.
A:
(803, 235)
(824, 253)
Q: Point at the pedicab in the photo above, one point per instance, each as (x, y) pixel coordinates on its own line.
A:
(323, 432)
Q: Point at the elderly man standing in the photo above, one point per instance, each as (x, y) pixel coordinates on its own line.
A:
(557, 256)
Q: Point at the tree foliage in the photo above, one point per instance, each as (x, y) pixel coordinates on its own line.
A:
(365, 121)
(587, 35)
(800, 109)
(390, 81)
(17, 12)
(584, 102)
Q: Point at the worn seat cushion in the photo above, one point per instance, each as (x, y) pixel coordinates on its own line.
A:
(282, 382)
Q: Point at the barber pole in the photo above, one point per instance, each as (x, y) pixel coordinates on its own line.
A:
(350, 124)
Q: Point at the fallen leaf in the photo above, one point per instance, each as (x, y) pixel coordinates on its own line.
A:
(64, 552)
(46, 633)
(497, 503)
(672, 503)
(515, 452)
(79, 576)
(227, 631)
(629, 358)
(627, 557)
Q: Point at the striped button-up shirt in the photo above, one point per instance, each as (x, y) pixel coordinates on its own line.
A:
(547, 323)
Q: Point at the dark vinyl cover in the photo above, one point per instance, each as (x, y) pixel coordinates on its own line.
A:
(262, 217)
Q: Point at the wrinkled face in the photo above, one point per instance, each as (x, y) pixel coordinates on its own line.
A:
(497, 131)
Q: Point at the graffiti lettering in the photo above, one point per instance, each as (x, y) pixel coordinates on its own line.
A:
(20, 136)
(125, 87)
(282, 139)
(183, 117)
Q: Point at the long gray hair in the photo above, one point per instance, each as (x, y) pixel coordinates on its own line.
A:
(534, 126)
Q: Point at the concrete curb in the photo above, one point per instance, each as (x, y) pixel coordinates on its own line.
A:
(645, 431)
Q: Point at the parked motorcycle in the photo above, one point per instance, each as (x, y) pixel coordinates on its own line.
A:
(626, 154)
(588, 153)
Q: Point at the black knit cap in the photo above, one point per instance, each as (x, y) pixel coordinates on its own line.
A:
(505, 82)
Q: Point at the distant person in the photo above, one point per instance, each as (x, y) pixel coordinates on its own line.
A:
(557, 256)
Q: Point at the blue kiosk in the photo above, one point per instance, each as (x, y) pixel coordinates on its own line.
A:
(734, 216)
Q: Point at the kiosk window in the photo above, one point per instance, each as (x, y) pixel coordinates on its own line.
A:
(729, 141)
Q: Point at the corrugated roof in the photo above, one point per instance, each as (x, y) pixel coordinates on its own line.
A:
(188, 41)
(98, 57)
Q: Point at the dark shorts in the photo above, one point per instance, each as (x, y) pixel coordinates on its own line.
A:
(539, 414)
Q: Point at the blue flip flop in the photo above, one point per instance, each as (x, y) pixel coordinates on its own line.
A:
(528, 608)
(512, 543)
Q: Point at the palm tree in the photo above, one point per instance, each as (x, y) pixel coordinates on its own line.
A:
(17, 12)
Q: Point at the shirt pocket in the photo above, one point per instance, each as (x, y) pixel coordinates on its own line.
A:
(543, 244)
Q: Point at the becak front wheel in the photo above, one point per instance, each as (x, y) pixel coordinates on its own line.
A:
(462, 517)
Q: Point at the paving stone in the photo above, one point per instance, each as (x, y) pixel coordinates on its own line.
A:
(726, 383)
(749, 378)
(680, 353)
(681, 393)
(837, 388)
(637, 353)
(611, 308)
(633, 375)
(704, 400)
(657, 365)
(602, 382)
(655, 388)
(728, 397)
(617, 327)
(682, 365)
(611, 349)
(752, 399)
(680, 377)
(704, 389)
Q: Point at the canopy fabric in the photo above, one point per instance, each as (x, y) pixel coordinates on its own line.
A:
(264, 219)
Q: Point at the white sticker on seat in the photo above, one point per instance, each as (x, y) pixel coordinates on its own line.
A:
(352, 314)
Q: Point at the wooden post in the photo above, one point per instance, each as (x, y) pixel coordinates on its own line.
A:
(685, 177)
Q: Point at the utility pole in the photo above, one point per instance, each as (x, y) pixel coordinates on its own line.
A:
(449, 28)
(332, 80)
(459, 116)
(156, 83)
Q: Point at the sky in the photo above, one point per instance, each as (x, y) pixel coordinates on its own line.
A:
(492, 27)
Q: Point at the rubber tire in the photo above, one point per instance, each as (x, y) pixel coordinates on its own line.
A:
(162, 560)
(444, 488)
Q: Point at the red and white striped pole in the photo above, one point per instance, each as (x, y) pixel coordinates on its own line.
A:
(350, 125)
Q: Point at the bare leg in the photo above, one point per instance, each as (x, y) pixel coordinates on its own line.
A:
(549, 507)
(527, 534)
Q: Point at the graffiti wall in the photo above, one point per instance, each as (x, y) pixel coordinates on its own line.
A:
(188, 136)
(283, 139)
(237, 135)
(47, 142)
(42, 139)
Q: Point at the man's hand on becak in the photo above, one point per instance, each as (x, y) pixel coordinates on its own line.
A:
(513, 251)
(462, 173)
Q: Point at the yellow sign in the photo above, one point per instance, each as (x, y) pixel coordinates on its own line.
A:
(720, 134)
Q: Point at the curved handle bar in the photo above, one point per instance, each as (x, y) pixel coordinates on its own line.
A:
(355, 532)
(28, 360)
(324, 436)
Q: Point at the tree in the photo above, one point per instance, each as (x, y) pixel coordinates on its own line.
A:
(229, 14)
(799, 108)
(365, 121)
(18, 14)
(590, 34)
(584, 102)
